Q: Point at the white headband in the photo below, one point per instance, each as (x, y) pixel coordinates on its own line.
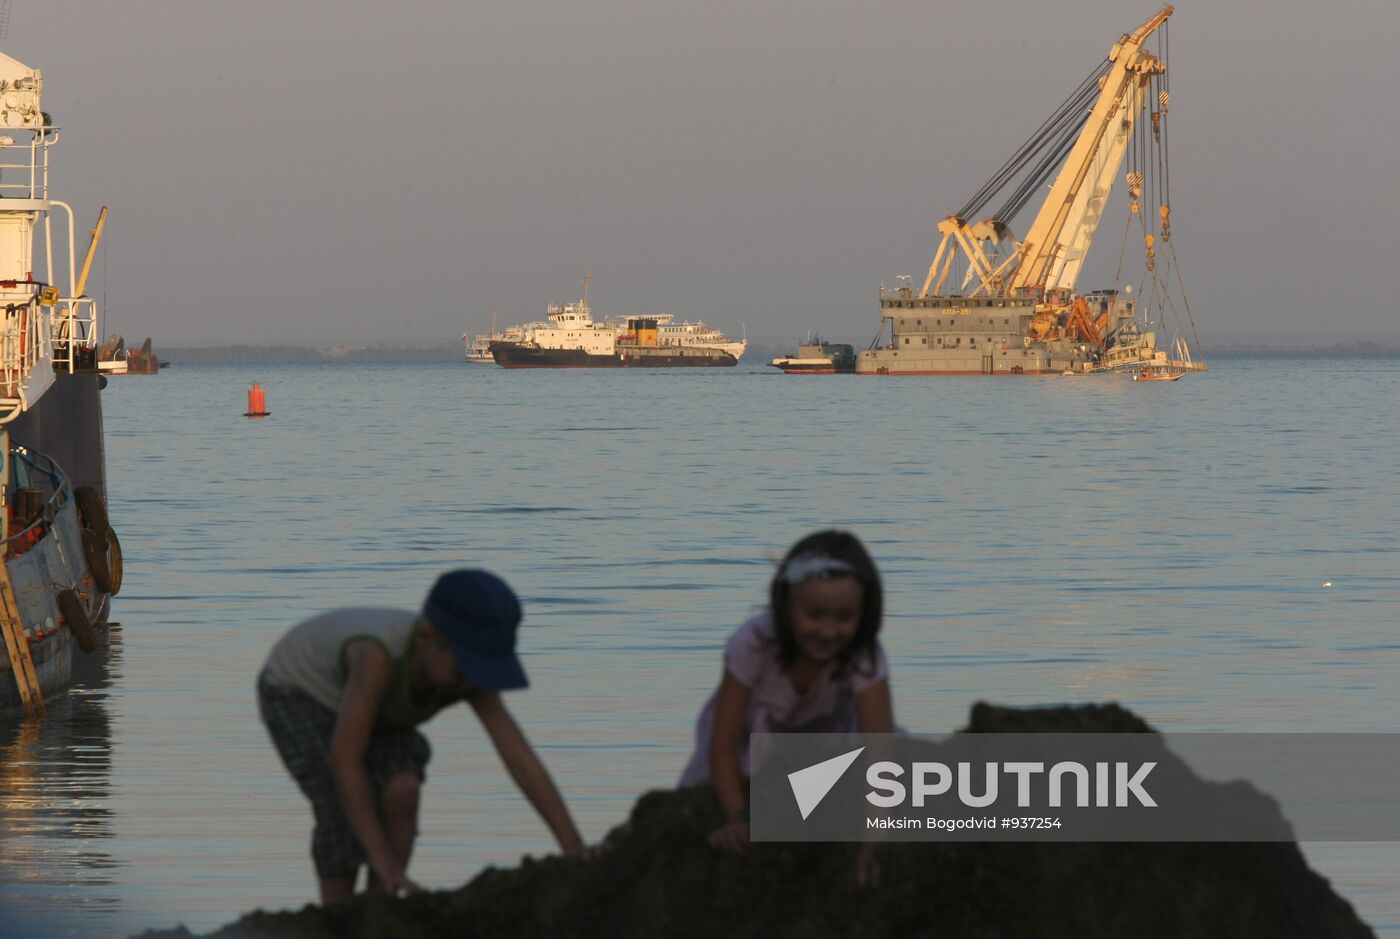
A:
(812, 564)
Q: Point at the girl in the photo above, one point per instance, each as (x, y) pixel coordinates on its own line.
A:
(810, 662)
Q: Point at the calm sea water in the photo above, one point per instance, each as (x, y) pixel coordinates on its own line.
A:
(1043, 540)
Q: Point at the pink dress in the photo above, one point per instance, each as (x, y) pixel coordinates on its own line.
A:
(828, 706)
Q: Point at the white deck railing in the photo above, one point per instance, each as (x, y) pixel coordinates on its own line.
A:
(24, 164)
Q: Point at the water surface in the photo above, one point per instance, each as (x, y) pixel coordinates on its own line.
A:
(1042, 539)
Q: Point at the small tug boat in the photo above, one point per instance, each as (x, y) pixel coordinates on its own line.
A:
(817, 357)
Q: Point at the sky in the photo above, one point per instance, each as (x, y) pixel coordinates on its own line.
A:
(338, 172)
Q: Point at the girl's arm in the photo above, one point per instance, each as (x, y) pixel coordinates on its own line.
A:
(526, 769)
(731, 707)
(368, 671)
(875, 711)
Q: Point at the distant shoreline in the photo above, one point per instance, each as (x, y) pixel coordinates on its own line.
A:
(757, 352)
(299, 353)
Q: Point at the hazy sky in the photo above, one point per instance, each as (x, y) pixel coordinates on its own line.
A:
(306, 170)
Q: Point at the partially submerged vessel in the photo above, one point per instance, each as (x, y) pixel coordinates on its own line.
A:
(143, 361)
(1014, 309)
(1134, 351)
(571, 338)
(62, 561)
(114, 358)
(818, 357)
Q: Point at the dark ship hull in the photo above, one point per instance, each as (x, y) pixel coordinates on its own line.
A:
(529, 355)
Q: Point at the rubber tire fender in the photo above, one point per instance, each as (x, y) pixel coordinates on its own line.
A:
(114, 562)
(92, 510)
(95, 552)
(75, 615)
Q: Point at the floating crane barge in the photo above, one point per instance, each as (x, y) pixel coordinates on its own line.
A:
(1015, 309)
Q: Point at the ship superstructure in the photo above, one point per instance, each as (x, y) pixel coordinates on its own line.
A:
(995, 304)
(48, 324)
(571, 326)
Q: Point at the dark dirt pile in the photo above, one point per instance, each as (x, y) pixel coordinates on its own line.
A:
(659, 878)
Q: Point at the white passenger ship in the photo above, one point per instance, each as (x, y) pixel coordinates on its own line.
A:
(571, 328)
(671, 333)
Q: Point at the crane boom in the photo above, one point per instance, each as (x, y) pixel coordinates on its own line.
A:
(1058, 240)
(93, 238)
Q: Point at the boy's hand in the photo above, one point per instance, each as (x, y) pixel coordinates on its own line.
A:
(393, 880)
(731, 837)
(586, 852)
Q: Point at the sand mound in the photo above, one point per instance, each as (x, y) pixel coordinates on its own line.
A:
(659, 878)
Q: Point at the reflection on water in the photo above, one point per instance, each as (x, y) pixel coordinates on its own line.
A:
(56, 821)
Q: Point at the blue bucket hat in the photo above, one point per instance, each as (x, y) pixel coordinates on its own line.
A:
(478, 613)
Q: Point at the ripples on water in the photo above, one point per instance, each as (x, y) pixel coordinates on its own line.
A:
(1042, 540)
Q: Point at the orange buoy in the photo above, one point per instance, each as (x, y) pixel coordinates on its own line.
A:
(257, 402)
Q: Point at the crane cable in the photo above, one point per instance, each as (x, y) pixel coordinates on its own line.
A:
(1186, 301)
(1032, 183)
(1029, 148)
(1165, 87)
(1070, 112)
(1068, 136)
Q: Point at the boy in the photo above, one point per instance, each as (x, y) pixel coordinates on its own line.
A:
(341, 694)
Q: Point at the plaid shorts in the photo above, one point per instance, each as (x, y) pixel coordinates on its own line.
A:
(301, 729)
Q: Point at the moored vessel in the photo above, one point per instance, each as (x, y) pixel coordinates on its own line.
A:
(62, 562)
(1013, 308)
